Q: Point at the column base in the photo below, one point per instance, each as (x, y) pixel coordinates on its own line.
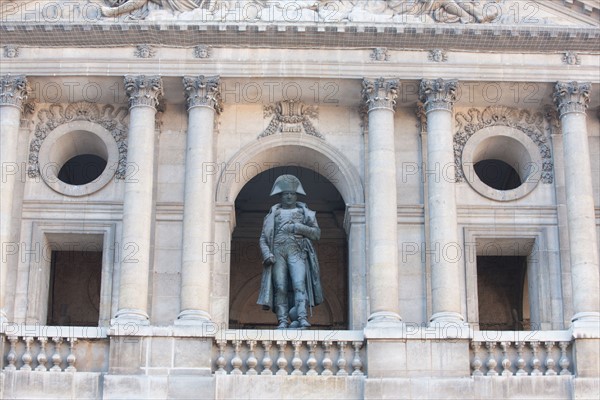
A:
(384, 319)
(586, 325)
(193, 317)
(3, 321)
(130, 316)
(444, 317)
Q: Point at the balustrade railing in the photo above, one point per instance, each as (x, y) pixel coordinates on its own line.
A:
(289, 352)
(535, 353)
(55, 349)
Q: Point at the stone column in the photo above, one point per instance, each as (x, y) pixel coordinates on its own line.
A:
(13, 92)
(382, 244)
(144, 93)
(572, 99)
(203, 101)
(438, 97)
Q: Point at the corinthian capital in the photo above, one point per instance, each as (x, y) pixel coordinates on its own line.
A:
(143, 90)
(203, 91)
(438, 94)
(572, 97)
(14, 91)
(380, 93)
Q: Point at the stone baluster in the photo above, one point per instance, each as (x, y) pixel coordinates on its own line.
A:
(572, 100)
(520, 361)
(14, 91)
(491, 362)
(356, 361)
(564, 359)
(12, 354)
(236, 361)
(27, 358)
(382, 246)
(56, 357)
(326, 362)
(438, 97)
(341, 362)
(144, 93)
(251, 362)
(203, 102)
(535, 361)
(267, 362)
(312, 360)
(505, 360)
(221, 361)
(42, 358)
(281, 360)
(476, 364)
(71, 358)
(550, 363)
(297, 361)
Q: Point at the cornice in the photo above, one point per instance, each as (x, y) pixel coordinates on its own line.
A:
(497, 38)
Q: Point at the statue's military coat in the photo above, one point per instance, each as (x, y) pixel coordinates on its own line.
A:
(267, 237)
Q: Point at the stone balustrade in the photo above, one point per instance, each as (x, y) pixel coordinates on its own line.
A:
(289, 352)
(535, 353)
(55, 349)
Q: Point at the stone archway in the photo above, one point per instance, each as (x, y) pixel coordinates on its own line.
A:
(292, 151)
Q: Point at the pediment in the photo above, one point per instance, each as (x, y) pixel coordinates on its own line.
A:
(581, 13)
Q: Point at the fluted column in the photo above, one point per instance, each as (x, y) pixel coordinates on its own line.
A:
(438, 97)
(203, 101)
(572, 99)
(380, 98)
(144, 93)
(13, 92)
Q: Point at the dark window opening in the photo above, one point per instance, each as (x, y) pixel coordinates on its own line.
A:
(74, 294)
(498, 174)
(502, 293)
(82, 169)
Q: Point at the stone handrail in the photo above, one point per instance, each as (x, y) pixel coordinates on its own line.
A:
(289, 352)
(534, 353)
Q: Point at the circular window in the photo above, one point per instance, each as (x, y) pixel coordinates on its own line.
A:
(75, 158)
(501, 163)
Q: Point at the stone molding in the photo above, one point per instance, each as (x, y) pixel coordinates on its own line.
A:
(143, 90)
(291, 116)
(55, 115)
(536, 126)
(438, 94)
(380, 93)
(14, 91)
(203, 91)
(572, 97)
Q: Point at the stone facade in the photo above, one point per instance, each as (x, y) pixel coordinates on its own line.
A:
(449, 148)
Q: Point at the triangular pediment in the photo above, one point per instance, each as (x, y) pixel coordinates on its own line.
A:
(582, 13)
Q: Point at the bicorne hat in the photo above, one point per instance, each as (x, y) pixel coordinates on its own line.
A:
(287, 183)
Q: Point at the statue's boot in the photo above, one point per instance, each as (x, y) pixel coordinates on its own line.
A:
(281, 311)
(302, 315)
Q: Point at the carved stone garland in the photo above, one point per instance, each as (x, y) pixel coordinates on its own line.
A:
(534, 125)
(290, 116)
(55, 115)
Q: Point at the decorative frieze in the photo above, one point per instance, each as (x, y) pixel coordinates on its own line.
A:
(536, 126)
(202, 51)
(380, 93)
(55, 115)
(380, 54)
(14, 90)
(438, 94)
(203, 91)
(143, 90)
(11, 51)
(437, 55)
(291, 116)
(572, 97)
(571, 58)
(144, 51)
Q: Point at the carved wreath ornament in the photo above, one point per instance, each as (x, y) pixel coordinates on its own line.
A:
(106, 116)
(534, 125)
